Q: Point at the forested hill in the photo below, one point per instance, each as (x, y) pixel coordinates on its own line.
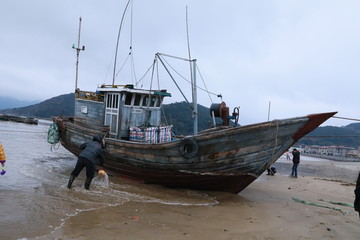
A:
(60, 105)
(179, 115)
(348, 136)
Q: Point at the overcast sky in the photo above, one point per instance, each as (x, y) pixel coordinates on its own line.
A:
(299, 57)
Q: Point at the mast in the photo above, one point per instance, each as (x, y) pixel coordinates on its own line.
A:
(194, 97)
(118, 39)
(193, 78)
(78, 49)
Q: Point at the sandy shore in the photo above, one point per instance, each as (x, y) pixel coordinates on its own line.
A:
(264, 210)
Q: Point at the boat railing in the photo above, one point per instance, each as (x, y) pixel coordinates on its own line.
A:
(93, 96)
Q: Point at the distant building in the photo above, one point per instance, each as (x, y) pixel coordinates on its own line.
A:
(354, 153)
(337, 151)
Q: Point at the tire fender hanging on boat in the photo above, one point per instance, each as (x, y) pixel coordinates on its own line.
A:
(189, 148)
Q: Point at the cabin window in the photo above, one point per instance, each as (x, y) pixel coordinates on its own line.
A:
(112, 112)
(158, 102)
(152, 101)
(137, 100)
(109, 100)
(115, 100)
(128, 99)
(112, 101)
(145, 101)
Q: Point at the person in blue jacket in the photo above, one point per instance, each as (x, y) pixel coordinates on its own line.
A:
(91, 156)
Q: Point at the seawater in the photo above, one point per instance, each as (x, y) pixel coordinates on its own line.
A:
(34, 200)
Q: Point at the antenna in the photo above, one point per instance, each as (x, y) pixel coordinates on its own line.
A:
(78, 49)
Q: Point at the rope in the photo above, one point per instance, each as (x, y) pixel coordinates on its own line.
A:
(352, 119)
(207, 91)
(276, 136)
(187, 79)
(143, 76)
(338, 203)
(296, 199)
(342, 136)
(122, 66)
(172, 78)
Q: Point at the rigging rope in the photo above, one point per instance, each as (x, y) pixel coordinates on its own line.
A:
(122, 66)
(147, 71)
(205, 90)
(337, 136)
(276, 136)
(352, 119)
(182, 93)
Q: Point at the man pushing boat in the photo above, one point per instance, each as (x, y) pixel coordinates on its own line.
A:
(91, 156)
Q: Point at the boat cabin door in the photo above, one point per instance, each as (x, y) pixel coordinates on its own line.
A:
(112, 112)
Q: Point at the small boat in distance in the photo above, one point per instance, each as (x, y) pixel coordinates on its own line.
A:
(20, 119)
(141, 148)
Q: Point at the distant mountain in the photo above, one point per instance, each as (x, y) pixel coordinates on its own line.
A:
(8, 102)
(60, 105)
(348, 136)
(179, 115)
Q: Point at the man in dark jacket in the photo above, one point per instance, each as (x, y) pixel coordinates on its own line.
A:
(91, 155)
(296, 161)
(357, 195)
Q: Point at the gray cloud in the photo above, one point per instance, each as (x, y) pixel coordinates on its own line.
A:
(302, 56)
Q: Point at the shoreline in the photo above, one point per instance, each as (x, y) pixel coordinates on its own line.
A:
(266, 209)
(332, 158)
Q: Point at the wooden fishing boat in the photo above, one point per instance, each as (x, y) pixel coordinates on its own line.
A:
(139, 147)
(220, 159)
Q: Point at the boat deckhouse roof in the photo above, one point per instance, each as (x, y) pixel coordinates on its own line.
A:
(131, 89)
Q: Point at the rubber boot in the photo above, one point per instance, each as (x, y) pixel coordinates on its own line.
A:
(87, 183)
(71, 180)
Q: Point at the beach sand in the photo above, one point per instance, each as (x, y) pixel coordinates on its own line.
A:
(264, 210)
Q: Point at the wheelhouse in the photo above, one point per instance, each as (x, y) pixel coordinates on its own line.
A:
(120, 107)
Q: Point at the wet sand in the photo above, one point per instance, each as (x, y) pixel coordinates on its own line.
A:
(264, 210)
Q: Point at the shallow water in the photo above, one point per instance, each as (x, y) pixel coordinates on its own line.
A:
(34, 200)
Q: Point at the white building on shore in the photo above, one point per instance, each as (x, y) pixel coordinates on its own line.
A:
(337, 151)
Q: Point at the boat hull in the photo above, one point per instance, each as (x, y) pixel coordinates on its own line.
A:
(224, 159)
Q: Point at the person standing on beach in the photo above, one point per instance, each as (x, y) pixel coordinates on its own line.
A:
(357, 195)
(287, 155)
(2, 159)
(88, 158)
(296, 161)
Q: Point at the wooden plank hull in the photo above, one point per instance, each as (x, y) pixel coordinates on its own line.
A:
(225, 159)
